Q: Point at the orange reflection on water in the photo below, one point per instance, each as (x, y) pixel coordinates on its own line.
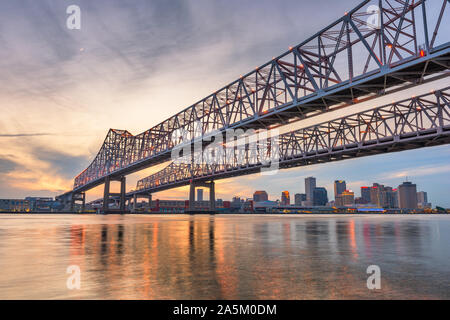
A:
(218, 257)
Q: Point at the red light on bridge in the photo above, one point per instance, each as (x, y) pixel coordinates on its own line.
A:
(422, 53)
(389, 46)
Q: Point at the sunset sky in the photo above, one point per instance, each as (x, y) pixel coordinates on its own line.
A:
(135, 63)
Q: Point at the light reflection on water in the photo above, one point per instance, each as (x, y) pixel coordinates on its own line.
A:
(224, 256)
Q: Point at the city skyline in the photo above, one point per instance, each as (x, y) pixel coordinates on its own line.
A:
(58, 113)
(350, 197)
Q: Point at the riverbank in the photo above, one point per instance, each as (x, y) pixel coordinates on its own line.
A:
(318, 214)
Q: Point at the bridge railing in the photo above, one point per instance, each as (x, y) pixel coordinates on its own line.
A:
(372, 38)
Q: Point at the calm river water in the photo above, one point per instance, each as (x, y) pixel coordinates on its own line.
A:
(224, 256)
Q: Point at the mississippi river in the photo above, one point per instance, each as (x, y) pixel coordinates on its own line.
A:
(224, 256)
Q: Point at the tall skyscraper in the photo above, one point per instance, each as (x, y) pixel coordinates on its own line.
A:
(310, 184)
(407, 193)
(260, 195)
(339, 187)
(199, 194)
(375, 194)
(422, 200)
(365, 194)
(285, 199)
(422, 197)
(320, 196)
(299, 198)
(389, 197)
(383, 196)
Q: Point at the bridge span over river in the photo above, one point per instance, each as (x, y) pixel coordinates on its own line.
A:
(379, 47)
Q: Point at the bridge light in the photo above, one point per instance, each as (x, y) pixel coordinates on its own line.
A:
(301, 66)
(345, 13)
(422, 53)
(290, 48)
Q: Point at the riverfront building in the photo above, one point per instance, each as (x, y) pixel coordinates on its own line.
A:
(299, 198)
(320, 196)
(346, 198)
(285, 198)
(407, 192)
(339, 187)
(260, 196)
(310, 184)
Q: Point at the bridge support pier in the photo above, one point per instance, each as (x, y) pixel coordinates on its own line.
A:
(134, 203)
(106, 194)
(147, 206)
(191, 196)
(78, 197)
(149, 202)
(212, 195)
(122, 194)
(83, 205)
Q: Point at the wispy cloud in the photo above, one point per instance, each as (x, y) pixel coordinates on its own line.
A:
(6, 165)
(15, 135)
(61, 163)
(417, 172)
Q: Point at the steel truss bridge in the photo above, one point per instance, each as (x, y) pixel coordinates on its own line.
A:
(379, 47)
(409, 124)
